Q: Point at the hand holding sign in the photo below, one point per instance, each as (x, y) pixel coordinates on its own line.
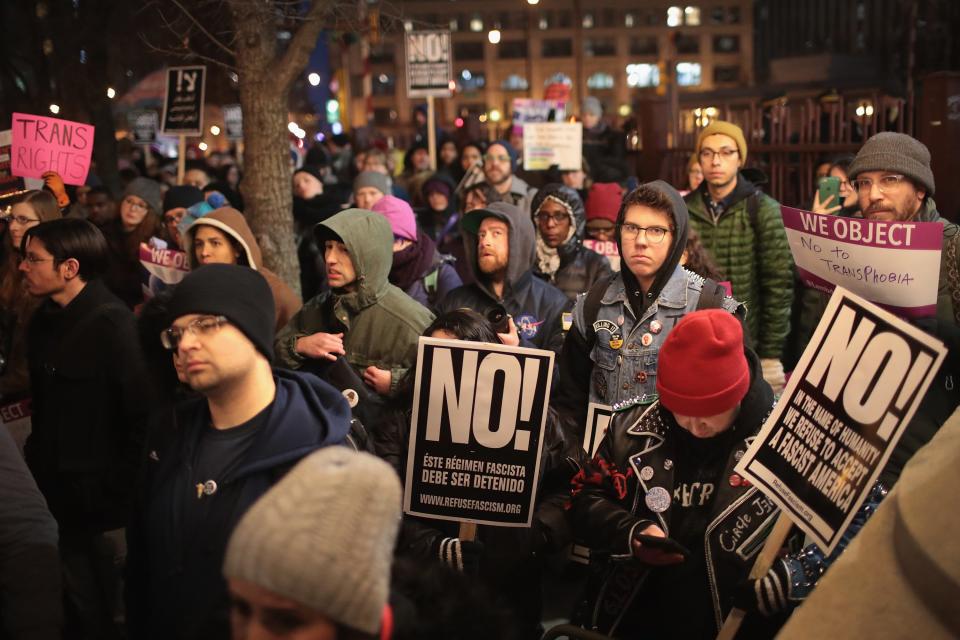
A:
(42, 144)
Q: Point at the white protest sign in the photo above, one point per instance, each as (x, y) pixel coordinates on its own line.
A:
(846, 405)
(893, 264)
(233, 121)
(552, 143)
(598, 419)
(528, 110)
(606, 248)
(429, 64)
(479, 414)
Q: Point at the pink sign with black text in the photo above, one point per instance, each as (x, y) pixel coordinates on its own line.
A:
(893, 264)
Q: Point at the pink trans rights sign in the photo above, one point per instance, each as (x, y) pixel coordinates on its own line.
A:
(42, 144)
(895, 265)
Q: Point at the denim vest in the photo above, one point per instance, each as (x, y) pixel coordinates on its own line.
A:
(623, 366)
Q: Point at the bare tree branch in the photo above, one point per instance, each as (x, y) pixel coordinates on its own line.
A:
(186, 52)
(196, 22)
(295, 58)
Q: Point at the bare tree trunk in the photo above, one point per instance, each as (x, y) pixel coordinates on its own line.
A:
(266, 181)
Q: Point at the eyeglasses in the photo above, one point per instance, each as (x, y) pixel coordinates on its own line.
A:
(884, 184)
(489, 157)
(133, 204)
(654, 235)
(543, 217)
(32, 259)
(170, 338)
(21, 220)
(707, 155)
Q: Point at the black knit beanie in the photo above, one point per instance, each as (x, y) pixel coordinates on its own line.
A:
(240, 294)
(184, 196)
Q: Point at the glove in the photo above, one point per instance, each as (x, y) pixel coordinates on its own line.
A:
(773, 374)
(461, 555)
(768, 595)
(54, 183)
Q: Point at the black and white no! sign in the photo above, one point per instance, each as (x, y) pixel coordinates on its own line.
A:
(429, 64)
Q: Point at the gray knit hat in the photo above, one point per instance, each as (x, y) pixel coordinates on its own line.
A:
(147, 190)
(592, 106)
(324, 536)
(898, 153)
(374, 179)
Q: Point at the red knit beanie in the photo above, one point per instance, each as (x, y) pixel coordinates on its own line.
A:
(603, 201)
(702, 370)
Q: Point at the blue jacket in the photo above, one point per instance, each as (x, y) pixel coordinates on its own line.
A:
(175, 585)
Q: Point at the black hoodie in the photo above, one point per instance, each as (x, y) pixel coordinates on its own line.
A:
(579, 267)
(536, 307)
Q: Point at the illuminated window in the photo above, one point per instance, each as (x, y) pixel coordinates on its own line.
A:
(588, 21)
(476, 24)
(628, 20)
(688, 74)
(600, 81)
(643, 75)
(691, 16)
(674, 17)
(513, 82)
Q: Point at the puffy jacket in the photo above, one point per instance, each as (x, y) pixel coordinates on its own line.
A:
(381, 324)
(175, 586)
(579, 267)
(757, 261)
(612, 493)
(231, 222)
(537, 307)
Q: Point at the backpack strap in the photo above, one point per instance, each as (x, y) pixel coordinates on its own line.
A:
(591, 306)
(711, 295)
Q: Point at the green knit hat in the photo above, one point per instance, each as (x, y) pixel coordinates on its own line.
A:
(896, 153)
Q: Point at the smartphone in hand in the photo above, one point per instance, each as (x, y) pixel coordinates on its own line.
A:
(829, 186)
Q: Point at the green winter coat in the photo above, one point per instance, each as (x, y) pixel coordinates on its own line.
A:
(760, 269)
(381, 324)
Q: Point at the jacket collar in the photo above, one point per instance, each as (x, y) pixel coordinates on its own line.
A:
(673, 295)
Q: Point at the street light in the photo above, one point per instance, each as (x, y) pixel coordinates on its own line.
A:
(533, 1)
(495, 115)
(111, 93)
(54, 109)
(494, 36)
(215, 130)
(202, 146)
(314, 79)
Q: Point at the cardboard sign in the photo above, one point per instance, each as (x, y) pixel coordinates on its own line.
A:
(527, 110)
(183, 100)
(479, 413)
(165, 268)
(8, 182)
(606, 248)
(893, 264)
(598, 419)
(144, 125)
(42, 144)
(846, 405)
(429, 64)
(233, 121)
(552, 143)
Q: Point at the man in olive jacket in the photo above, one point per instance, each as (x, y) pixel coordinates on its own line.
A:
(363, 317)
(743, 230)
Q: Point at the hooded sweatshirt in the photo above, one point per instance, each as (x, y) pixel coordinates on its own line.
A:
(175, 584)
(537, 307)
(617, 360)
(231, 222)
(571, 267)
(381, 324)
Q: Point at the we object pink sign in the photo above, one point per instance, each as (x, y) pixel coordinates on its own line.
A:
(42, 144)
(893, 264)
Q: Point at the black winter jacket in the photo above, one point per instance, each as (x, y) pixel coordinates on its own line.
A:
(175, 585)
(536, 306)
(613, 498)
(579, 267)
(91, 399)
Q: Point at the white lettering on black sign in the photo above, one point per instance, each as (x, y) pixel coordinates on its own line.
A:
(476, 432)
(848, 402)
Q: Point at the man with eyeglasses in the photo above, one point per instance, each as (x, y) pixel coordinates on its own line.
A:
(499, 163)
(893, 180)
(610, 354)
(247, 426)
(91, 398)
(562, 260)
(743, 230)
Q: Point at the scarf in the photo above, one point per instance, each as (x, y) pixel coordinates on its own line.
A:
(413, 262)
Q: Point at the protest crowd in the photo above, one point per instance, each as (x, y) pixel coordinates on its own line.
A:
(213, 452)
